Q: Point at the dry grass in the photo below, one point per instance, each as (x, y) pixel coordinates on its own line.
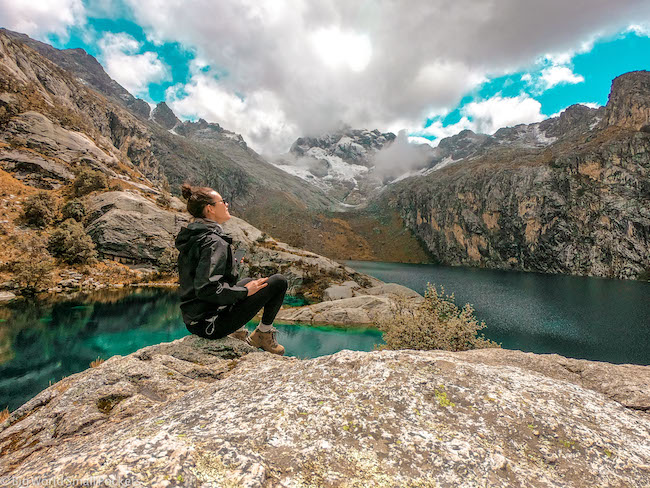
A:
(4, 415)
(96, 362)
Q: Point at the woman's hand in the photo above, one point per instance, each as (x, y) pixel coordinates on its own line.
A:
(256, 285)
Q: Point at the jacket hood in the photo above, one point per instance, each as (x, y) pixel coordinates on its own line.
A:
(197, 229)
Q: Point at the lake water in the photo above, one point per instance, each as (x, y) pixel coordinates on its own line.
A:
(591, 318)
(579, 317)
(44, 341)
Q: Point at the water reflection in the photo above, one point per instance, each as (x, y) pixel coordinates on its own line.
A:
(580, 317)
(43, 341)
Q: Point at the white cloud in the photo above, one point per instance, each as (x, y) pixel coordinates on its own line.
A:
(440, 131)
(133, 70)
(557, 75)
(641, 30)
(386, 64)
(40, 18)
(258, 117)
(490, 115)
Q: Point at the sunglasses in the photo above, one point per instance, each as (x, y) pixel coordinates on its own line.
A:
(217, 203)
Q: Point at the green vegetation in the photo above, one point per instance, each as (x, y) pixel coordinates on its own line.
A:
(71, 244)
(88, 180)
(40, 209)
(167, 262)
(434, 323)
(74, 209)
(33, 267)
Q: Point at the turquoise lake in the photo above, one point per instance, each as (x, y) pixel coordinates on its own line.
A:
(589, 318)
(42, 342)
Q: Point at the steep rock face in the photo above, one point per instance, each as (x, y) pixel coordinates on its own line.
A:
(580, 205)
(629, 101)
(198, 413)
(164, 116)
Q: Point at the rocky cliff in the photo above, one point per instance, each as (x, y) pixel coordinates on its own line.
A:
(207, 414)
(576, 202)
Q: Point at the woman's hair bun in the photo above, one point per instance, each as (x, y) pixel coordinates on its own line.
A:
(186, 191)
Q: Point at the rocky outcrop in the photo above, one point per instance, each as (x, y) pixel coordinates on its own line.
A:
(351, 305)
(629, 101)
(580, 205)
(128, 227)
(197, 413)
(164, 116)
(307, 272)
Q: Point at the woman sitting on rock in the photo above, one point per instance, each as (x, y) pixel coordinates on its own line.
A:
(213, 303)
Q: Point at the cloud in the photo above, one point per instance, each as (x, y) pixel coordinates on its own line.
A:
(557, 75)
(40, 18)
(641, 30)
(258, 116)
(120, 58)
(490, 115)
(400, 156)
(383, 62)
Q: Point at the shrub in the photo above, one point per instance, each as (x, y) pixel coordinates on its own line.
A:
(168, 261)
(40, 209)
(434, 323)
(88, 180)
(74, 209)
(71, 244)
(33, 268)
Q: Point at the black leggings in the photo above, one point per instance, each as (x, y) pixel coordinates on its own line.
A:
(270, 297)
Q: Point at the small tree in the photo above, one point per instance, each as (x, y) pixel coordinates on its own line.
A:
(40, 209)
(33, 267)
(168, 261)
(74, 209)
(434, 323)
(88, 180)
(71, 244)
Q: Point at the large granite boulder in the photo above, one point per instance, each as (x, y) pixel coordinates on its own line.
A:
(127, 226)
(195, 413)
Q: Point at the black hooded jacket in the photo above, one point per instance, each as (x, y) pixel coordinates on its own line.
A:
(206, 271)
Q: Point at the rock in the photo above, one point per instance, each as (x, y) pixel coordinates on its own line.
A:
(629, 101)
(266, 256)
(390, 288)
(164, 116)
(197, 413)
(35, 170)
(6, 296)
(338, 292)
(129, 226)
(574, 204)
(344, 312)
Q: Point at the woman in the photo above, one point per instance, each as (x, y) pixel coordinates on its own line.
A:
(213, 303)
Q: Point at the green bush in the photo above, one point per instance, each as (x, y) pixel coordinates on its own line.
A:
(88, 180)
(40, 209)
(434, 323)
(71, 244)
(168, 261)
(32, 271)
(74, 209)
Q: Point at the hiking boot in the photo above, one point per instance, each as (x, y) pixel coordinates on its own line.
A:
(266, 341)
(240, 334)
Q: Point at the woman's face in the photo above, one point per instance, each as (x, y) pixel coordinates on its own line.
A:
(217, 210)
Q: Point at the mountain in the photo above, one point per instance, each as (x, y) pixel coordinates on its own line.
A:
(568, 195)
(59, 111)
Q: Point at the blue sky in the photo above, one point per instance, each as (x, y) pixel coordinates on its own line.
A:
(275, 70)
